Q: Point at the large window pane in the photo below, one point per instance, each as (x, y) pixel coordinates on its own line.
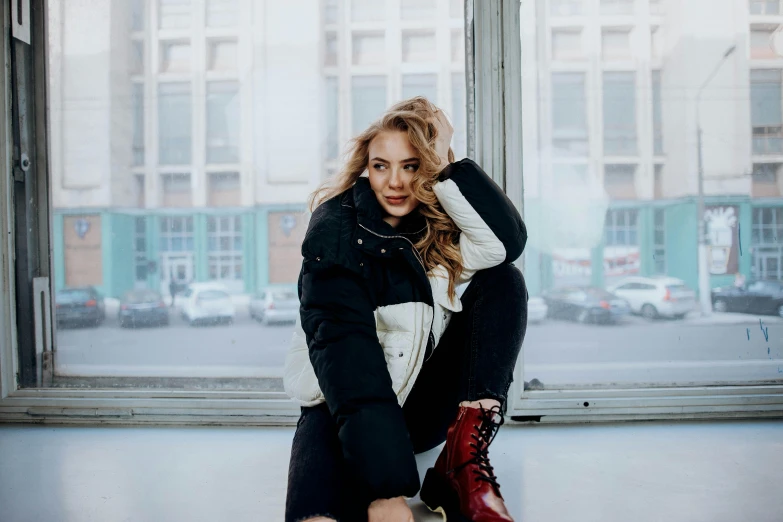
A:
(766, 112)
(619, 113)
(420, 85)
(368, 100)
(611, 177)
(137, 106)
(223, 122)
(188, 154)
(569, 114)
(174, 123)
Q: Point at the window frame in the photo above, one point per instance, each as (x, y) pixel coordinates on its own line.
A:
(495, 142)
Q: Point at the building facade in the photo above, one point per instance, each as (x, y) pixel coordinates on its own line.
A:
(611, 89)
(186, 147)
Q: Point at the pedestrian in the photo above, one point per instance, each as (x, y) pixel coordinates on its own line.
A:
(387, 360)
(172, 288)
(739, 280)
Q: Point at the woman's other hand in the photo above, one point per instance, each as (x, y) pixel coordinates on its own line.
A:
(389, 510)
(443, 140)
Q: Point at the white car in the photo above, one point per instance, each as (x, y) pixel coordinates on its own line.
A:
(654, 297)
(207, 303)
(536, 310)
(275, 305)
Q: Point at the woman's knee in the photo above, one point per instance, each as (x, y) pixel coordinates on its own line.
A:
(505, 282)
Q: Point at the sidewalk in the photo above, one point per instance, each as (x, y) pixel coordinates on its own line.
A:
(696, 319)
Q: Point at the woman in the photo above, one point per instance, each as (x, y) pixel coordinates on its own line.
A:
(387, 360)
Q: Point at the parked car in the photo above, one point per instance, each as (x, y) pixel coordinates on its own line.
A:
(756, 297)
(142, 308)
(653, 297)
(275, 305)
(536, 310)
(207, 303)
(585, 304)
(79, 306)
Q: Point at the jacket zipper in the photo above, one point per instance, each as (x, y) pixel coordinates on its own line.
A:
(430, 336)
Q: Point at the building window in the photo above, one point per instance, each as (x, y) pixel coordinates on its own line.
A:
(175, 56)
(619, 181)
(764, 7)
(136, 57)
(137, 107)
(330, 49)
(222, 13)
(657, 115)
(656, 43)
(332, 117)
(139, 190)
(658, 181)
(616, 44)
(418, 9)
(767, 226)
(459, 141)
(420, 85)
(369, 49)
(567, 44)
(174, 14)
(368, 10)
(222, 55)
(224, 247)
(457, 46)
(766, 238)
(224, 190)
(174, 123)
(766, 114)
(457, 8)
(566, 7)
(569, 114)
(619, 110)
(138, 16)
(176, 234)
(223, 122)
(140, 249)
(659, 241)
(368, 101)
(176, 190)
(761, 42)
(330, 11)
(418, 46)
(617, 7)
(764, 179)
(620, 228)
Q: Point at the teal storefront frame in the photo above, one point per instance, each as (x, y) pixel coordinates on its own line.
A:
(118, 245)
(680, 242)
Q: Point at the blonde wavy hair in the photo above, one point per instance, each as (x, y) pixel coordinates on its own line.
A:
(416, 117)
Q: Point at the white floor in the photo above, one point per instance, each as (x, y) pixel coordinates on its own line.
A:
(672, 472)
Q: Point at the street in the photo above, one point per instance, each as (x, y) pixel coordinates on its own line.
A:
(558, 353)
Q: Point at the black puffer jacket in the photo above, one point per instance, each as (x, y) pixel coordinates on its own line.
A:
(371, 314)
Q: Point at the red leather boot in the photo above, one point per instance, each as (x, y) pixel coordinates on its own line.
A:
(462, 486)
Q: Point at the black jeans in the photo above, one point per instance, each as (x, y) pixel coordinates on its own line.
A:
(474, 360)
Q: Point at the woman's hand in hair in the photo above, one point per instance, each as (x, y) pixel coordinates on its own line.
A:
(443, 140)
(389, 510)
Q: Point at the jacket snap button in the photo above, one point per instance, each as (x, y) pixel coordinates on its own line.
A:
(359, 241)
(317, 258)
(399, 354)
(383, 251)
(361, 264)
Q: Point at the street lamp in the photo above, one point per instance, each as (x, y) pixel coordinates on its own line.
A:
(704, 271)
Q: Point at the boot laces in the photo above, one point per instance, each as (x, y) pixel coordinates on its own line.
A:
(485, 434)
